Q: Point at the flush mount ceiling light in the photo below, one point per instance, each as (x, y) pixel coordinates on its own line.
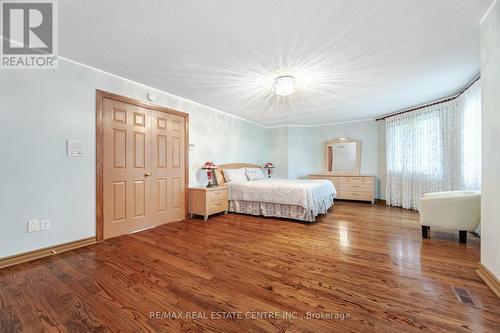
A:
(284, 85)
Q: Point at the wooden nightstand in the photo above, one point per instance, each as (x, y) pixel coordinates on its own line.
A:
(208, 200)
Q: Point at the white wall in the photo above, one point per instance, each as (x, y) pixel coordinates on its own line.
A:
(278, 142)
(490, 103)
(304, 152)
(41, 109)
(306, 148)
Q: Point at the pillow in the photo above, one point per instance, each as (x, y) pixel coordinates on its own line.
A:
(254, 173)
(235, 175)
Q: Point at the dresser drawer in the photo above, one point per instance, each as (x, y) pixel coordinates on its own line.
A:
(217, 206)
(335, 180)
(217, 195)
(365, 196)
(357, 180)
(356, 187)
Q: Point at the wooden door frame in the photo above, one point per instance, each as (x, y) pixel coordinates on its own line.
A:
(100, 96)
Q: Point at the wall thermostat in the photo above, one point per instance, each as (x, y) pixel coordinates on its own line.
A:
(74, 148)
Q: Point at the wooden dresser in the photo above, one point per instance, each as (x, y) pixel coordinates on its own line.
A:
(206, 201)
(361, 188)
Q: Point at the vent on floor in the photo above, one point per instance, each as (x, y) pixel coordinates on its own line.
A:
(464, 296)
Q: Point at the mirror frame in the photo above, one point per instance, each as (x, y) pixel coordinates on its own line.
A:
(329, 152)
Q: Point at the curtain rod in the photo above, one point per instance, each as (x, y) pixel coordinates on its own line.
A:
(442, 100)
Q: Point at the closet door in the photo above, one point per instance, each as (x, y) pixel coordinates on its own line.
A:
(168, 160)
(126, 168)
(143, 166)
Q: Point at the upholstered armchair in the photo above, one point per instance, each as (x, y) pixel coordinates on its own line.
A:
(455, 210)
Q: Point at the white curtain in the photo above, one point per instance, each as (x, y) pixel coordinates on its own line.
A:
(437, 148)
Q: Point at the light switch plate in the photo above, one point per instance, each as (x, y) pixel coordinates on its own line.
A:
(45, 225)
(33, 225)
(74, 148)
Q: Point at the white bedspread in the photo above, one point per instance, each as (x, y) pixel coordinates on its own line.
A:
(300, 192)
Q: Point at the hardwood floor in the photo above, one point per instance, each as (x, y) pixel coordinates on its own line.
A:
(366, 266)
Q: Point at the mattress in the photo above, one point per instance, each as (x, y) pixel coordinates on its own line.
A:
(301, 199)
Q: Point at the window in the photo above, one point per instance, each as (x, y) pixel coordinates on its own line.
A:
(437, 148)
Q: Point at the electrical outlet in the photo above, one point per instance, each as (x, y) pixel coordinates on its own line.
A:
(45, 225)
(33, 225)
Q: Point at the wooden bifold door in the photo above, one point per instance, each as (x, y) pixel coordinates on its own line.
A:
(142, 157)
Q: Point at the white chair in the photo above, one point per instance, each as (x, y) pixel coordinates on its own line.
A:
(455, 210)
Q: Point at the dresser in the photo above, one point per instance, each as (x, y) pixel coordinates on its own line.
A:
(361, 188)
(206, 201)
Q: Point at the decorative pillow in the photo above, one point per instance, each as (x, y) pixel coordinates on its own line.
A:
(235, 175)
(254, 173)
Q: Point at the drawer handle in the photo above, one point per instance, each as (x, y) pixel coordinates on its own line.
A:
(355, 185)
(355, 193)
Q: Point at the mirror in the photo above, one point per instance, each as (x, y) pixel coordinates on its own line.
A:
(343, 156)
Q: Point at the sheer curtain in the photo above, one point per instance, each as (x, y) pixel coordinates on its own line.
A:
(437, 148)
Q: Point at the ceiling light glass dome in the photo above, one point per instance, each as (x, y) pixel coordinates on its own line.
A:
(284, 85)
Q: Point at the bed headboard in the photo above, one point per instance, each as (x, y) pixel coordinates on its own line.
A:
(220, 176)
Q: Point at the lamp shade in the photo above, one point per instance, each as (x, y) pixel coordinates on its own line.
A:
(209, 165)
(269, 165)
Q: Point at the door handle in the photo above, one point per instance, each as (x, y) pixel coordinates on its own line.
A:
(147, 174)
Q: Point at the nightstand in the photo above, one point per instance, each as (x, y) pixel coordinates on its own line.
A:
(206, 201)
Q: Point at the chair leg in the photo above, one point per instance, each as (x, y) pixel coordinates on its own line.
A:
(463, 236)
(425, 231)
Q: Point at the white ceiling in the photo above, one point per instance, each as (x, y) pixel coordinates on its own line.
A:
(352, 59)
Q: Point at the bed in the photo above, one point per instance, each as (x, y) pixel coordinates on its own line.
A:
(298, 199)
